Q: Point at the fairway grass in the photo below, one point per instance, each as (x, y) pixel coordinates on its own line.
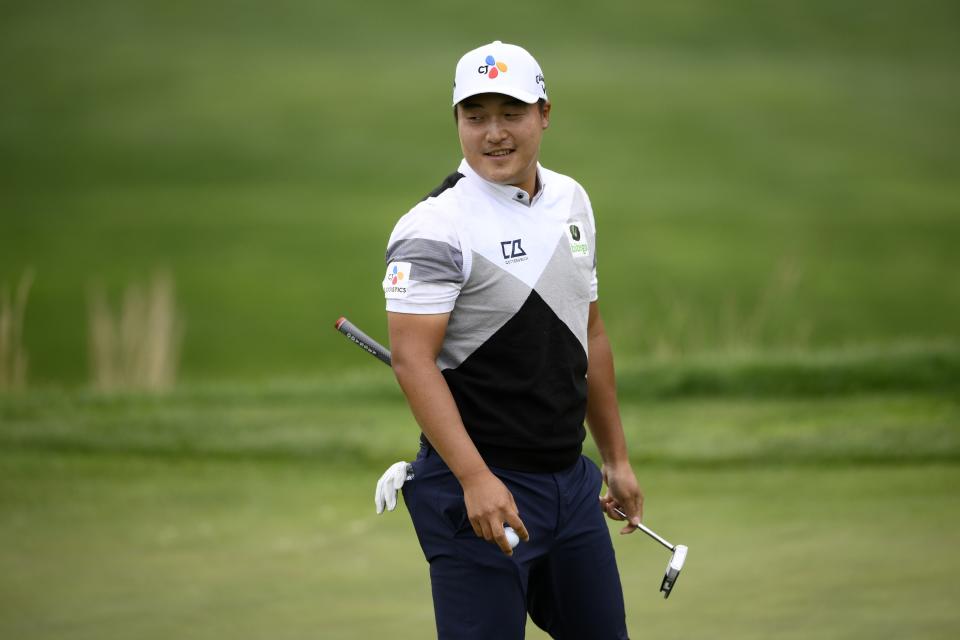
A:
(776, 188)
(107, 546)
(247, 512)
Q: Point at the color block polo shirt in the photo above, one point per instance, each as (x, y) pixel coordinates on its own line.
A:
(517, 277)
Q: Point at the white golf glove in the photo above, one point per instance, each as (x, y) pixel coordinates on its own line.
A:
(389, 484)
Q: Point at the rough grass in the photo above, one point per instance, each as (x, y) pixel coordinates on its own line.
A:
(764, 177)
(245, 510)
(829, 408)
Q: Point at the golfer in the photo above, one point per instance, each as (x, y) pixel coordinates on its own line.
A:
(498, 345)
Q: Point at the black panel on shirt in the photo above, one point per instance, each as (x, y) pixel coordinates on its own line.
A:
(523, 393)
(447, 183)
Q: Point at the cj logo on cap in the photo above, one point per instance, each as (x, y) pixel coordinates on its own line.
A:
(492, 68)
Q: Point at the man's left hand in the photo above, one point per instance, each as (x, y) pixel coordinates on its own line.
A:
(624, 493)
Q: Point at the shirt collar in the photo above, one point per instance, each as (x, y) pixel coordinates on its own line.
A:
(505, 191)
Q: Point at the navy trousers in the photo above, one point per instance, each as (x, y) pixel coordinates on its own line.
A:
(565, 577)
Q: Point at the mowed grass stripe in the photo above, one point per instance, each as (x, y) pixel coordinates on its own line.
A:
(120, 547)
(891, 428)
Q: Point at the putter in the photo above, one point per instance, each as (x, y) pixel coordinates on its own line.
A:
(374, 348)
(676, 560)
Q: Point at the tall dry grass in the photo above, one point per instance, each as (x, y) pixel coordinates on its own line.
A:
(13, 355)
(138, 346)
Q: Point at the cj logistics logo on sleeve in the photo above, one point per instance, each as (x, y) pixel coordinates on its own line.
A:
(395, 282)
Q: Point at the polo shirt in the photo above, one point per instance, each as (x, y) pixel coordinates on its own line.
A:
(517, 276)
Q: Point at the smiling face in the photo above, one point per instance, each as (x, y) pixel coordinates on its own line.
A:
(500, 137)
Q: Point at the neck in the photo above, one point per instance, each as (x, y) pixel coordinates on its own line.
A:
(529, 185)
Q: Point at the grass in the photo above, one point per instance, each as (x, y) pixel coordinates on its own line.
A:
(764, 178)
(776, 188)
(138, 347)
(131, 545)
(825, 408)
(13, 358)
(246, 510)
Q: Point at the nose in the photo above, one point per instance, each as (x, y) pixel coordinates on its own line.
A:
(496, 132)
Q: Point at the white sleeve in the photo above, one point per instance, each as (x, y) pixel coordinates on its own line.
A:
(593, 228)
(424, 263)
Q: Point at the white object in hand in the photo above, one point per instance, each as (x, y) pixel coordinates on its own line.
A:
(389, 484)
(392, 480)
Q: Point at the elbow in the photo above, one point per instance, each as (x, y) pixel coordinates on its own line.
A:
(406, 364)
(401, 369)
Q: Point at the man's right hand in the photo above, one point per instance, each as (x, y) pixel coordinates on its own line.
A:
(416, 340)
(489, 505)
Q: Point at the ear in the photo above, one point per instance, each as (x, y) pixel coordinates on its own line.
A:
(545, 116)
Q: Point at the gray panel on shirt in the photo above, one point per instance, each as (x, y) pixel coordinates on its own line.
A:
(578, 211)
(487, 301)
(563, 288)
(431, 260)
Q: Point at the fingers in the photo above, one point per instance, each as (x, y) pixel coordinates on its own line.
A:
(624, 495)
(388, 485)
(492, 531)
(635, 513)
(477, 529)
(515, 523)
(609, 506)
(504, 531)
(500, 539)
(378, 496)
(490, 506)
(511, 526)
(391, 496)
(613, 510)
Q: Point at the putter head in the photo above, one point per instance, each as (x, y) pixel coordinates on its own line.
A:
(673, 570)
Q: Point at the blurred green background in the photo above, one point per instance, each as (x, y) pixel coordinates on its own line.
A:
(777, 190)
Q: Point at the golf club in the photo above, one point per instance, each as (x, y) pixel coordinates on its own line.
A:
(377, 350)
(676, 560)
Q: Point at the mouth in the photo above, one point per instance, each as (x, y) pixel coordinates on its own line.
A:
(499, 153)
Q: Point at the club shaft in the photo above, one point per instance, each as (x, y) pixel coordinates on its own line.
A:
(649, 532)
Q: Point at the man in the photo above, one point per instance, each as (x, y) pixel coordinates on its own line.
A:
(491, 296)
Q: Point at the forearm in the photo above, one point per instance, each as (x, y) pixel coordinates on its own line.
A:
(436, 412)
(603, 412)
(489, 504)
(603, 417)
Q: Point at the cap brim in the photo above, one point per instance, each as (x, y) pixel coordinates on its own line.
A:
(519, 94)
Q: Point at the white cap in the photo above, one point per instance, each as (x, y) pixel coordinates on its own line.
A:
(499, 68)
